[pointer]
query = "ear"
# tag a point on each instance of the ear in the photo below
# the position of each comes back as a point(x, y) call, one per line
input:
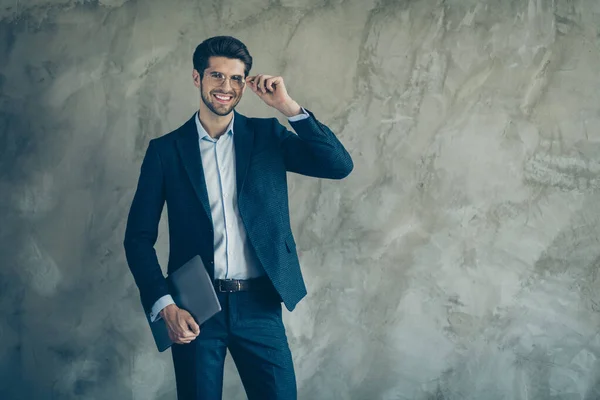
point(196, 78)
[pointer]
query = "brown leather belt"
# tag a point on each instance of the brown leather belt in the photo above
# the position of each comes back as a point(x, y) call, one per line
point(241, 285)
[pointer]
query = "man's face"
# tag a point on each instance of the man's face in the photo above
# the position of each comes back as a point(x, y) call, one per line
point(219, 96)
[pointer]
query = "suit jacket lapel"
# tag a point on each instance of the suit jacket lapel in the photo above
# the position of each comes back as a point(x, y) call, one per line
point(189, 150)
point(243, 139)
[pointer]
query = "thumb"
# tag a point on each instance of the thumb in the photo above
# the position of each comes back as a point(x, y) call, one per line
point(193, 325)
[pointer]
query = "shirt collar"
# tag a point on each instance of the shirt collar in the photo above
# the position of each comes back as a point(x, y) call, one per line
point(202, 134)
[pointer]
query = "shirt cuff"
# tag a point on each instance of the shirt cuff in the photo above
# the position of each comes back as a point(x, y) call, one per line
point(159, 305)
point(299, 117)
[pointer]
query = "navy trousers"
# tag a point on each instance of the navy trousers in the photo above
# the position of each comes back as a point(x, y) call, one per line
point(250, 326)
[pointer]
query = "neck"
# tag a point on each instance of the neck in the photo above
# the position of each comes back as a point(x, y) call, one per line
point(215, 125)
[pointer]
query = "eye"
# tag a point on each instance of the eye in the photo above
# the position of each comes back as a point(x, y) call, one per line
point(216, 75)
point(237, 78)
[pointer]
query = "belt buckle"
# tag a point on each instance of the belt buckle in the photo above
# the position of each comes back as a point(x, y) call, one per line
point(238, 284)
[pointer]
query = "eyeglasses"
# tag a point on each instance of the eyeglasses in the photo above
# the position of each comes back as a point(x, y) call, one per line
point(217, 78)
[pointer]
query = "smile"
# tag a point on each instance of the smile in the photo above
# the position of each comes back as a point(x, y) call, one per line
point(223, 99)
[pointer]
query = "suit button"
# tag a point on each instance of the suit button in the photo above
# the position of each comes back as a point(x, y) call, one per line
point(212, 263)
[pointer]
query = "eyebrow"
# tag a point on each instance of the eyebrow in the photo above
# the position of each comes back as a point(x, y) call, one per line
point(219, 72)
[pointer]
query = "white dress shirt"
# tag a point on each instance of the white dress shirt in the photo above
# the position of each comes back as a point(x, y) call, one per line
point(234, 257)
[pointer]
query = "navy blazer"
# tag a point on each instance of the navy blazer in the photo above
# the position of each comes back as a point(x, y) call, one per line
point(264, 150)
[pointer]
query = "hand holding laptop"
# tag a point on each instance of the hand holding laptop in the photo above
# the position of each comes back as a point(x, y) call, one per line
point(180, 323)
point(195, 302)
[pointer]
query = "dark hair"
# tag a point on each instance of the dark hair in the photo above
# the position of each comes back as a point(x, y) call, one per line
point(221, 46)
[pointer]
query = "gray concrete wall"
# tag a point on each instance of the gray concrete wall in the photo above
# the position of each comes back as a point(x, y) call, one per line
point(458, 261)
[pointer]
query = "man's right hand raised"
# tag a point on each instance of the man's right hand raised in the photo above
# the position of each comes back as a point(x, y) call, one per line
point(180, 323)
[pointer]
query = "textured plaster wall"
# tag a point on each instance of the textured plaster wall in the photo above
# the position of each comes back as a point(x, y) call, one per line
point(458, 261)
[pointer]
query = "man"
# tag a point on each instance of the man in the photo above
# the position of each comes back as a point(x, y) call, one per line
point(223, 177)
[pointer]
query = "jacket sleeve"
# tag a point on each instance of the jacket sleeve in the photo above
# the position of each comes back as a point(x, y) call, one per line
point(314, 150)
point(142, 230)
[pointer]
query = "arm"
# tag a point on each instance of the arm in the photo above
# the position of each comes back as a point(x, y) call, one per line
point(140, 237)
point(142, 230)
point(315, 150)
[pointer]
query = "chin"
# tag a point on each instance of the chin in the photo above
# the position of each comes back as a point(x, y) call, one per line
point(222, 113)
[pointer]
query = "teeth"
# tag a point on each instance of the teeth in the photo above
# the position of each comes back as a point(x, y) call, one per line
point(222, 97)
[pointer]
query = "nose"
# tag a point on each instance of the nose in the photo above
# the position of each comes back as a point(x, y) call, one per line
point(226, 85)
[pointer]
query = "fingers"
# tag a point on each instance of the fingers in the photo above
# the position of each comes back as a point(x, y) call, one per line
point(180, 340)
point(187, 328)
point(270, 83)
point(193, 326)
point(260, 82)
point(186, 334)
point(183, 328)
point(251, 81)
point(263, 83)
point(183, 337)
